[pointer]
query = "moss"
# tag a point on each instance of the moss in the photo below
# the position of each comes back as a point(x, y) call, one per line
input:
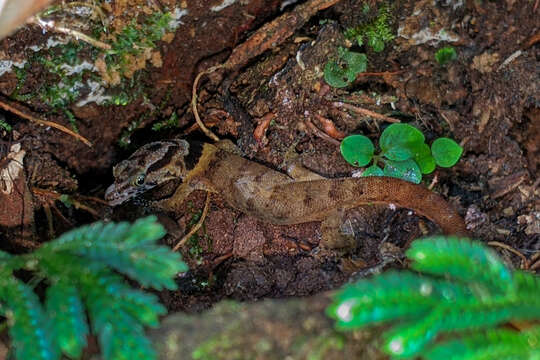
point(72, 70)
point(374, 34)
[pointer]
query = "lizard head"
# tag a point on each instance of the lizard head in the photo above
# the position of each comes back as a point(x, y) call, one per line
point(150, 166)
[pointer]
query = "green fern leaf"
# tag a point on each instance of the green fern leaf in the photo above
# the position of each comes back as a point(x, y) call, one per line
point(409, 339)
point(142, 306)
point(121, 338)
point(491, 344)
point(4, 256)
point(129, 249)
point(392, 295)
point(460, 259)
point(526, 285)
point(121, 335)
point(29, 328)
point(65, 309)
point(489, 313)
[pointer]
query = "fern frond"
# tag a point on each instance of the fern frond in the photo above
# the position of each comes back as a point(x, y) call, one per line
point(409, 339)
point(82, 269)
point(489, 313)
point(460, 259)
point(131, 250)
point(120, 331)
point(491, 344)
point(527, 285)
point(65, 309)
point(8, 263)
point(392, 295)
point(29, 328)
point(144, 307)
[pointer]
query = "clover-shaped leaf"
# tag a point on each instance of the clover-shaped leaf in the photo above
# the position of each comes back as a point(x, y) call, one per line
point(357, 150)
point(399, 142)
point(424, 159)
point(446, 152)
point(352, 63)
point(406, 170)
point(334, 75)
point(373, 170)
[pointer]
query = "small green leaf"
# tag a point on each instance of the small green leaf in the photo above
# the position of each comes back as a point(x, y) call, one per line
point(357, 150)
point(424, 159)
point(446, 152)
point(445, 55)
point(407, 170)
point(399, 141)
point(373, 170)
point(334, 75)
point(341, 76)
point(356, 63)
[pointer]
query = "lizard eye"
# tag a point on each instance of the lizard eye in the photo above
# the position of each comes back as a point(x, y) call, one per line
point(139, 180)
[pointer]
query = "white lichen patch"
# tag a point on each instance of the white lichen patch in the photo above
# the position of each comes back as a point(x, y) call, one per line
point(176, 15)
point(223, 5)
point(85, 65)
point(427, 35)
point(53, 41)
point(287, 3)
point(13, 169)
point(7, 65)
point(96, 94)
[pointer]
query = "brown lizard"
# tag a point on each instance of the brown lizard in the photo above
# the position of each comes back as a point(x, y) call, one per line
point(269, 195)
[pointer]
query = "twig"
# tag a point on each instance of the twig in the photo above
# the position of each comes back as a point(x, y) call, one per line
point(4, 105)
point(366, 112)
point(197, 226)
point(434, 182)
point(535, 260)
point(275, 32)
point(264, 122)
point(383, 73)
point(57, 197)
point(52, 26)
point(320, 133)
point(206, 131)
point(330, 128)
point(525, 262)
point(221, 259)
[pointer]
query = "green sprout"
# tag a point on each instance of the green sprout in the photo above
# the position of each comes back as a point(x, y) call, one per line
point(343, 72)
point(84, 274)
point(5, 126)
point(170, 123)
point(445, 55)
point(404, 153)
point(453, 305)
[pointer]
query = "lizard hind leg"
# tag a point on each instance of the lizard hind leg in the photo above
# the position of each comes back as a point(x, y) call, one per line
point(336, 234)
point(299, 173)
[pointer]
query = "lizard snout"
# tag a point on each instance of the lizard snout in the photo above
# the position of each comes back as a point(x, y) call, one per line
point(115, 197)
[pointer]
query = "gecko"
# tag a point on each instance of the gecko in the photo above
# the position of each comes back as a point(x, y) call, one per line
point(295, 197)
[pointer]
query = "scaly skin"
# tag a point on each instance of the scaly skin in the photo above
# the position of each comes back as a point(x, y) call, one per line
point(276, 198)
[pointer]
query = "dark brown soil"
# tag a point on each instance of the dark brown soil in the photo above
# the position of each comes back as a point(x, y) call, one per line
point(488, 100)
